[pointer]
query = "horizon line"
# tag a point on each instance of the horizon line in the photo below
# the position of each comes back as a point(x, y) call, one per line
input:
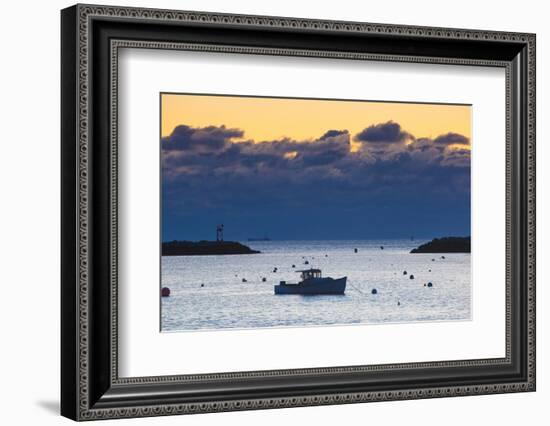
point(321, 239)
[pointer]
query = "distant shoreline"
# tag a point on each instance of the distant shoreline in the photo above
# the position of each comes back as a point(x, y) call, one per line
point(245, 240)
point(445, 245)
point(205, 248)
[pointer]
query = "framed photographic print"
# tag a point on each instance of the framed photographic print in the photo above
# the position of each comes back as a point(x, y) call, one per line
point(263, 212)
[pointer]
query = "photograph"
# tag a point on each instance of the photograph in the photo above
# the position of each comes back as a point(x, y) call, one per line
point(304, 212)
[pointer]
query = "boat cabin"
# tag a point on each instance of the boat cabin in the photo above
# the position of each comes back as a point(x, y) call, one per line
point(307, 274)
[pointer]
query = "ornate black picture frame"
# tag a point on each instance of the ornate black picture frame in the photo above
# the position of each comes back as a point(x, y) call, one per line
point(91, 387)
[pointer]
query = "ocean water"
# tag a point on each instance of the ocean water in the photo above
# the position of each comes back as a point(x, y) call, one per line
point(226, 302)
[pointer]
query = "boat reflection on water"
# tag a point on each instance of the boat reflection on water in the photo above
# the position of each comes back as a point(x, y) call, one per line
point(312, 284)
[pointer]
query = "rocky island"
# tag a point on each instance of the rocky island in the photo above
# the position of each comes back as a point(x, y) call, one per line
point(445, 245)
point(204, 248)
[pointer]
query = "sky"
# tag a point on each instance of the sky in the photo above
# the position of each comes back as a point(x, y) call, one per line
point(309, 169)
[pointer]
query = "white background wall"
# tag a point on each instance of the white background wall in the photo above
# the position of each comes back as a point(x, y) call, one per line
point(29, 211)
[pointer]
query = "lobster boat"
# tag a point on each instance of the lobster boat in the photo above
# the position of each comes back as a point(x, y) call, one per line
point(312, 284)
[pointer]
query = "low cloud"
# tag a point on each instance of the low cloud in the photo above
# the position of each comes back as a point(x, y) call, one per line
point(452, 139)
point(384, 133)
point(200, 139)
point(381, 169)
point(207, 151)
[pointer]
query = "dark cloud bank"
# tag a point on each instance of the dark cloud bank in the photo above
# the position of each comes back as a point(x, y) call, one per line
point(393, 185)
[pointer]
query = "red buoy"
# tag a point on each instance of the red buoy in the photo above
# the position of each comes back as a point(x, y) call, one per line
point(165, 292)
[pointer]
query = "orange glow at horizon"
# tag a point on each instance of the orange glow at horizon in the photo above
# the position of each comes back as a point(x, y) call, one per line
point(267, 119)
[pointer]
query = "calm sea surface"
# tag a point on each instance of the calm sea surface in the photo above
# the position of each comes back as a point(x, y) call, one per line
point(226, 302)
